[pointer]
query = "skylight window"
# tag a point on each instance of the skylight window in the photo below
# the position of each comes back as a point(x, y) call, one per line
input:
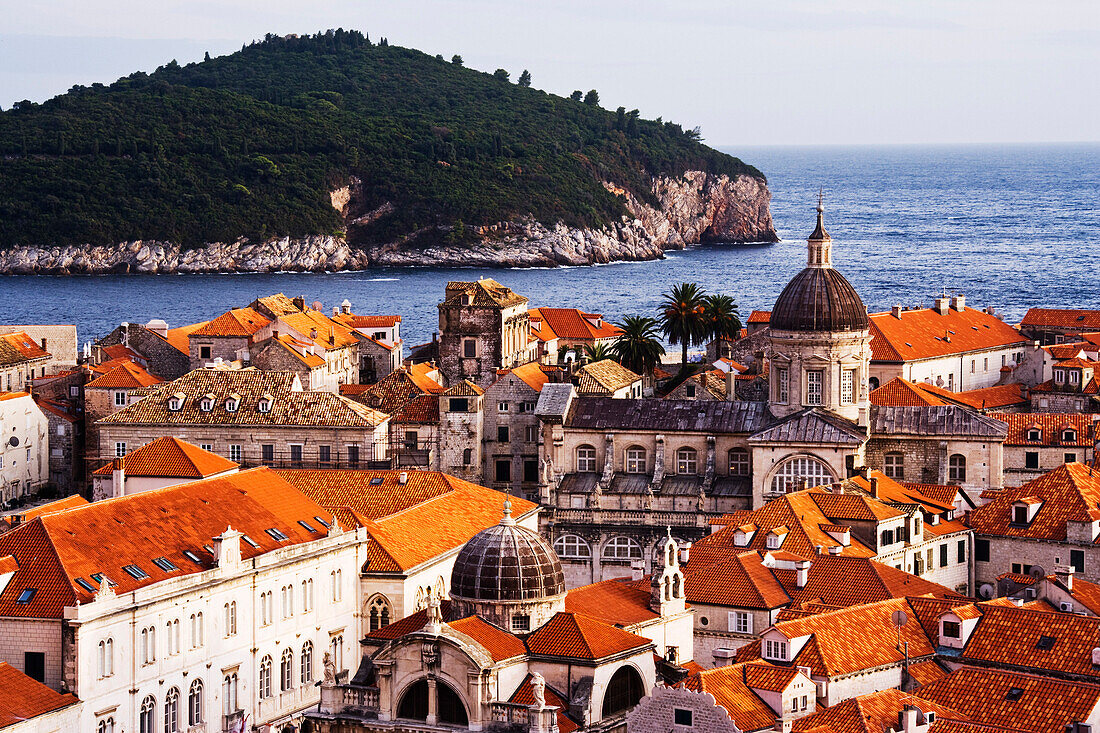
point(308, 527)
point(276, 534)
point(85, 585)
point(26, 595)
point(324, 524)
point(165, 564)
point(98, 577)
point(376, 481)
point(1046, 643)
point(192, 557)
point(250, 541)
point(1014, 694)
point(135, 572)
point(208, 548)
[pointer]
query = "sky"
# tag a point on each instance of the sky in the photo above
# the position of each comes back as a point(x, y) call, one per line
point(767, 72)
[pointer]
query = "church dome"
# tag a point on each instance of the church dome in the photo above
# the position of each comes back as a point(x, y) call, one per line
point(507, 562)
point(819, 298)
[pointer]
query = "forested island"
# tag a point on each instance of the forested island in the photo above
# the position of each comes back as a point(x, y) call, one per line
point(332, 151)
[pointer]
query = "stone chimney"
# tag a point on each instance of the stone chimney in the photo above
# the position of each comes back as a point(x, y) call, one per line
point(227, 548)
point(941, 305)
point(118, 477)
point(1064, 574)
point(874, 486)
point(403, 478)
point(802, 574)
point(958, 302)
point(896, 312)
point(300, 302)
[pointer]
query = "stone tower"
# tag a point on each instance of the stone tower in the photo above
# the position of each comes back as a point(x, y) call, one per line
point(483, 326)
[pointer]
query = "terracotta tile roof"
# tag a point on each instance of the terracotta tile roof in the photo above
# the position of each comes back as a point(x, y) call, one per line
point(876, 712)
point(1038, 705)
point(1084, 592)
point(354, 321)
point(13, 395)
point(891, 491)
point(575, 635)
point(524, 695)
point(573, 324)
point(54, 506)
point(739, 580)
point(760, 317)
point(239, 322)
point(533, 374)
point(126, 375)
point(611, 601)
point(484, 292)
point(299, 350)
point(413, 622)
point(115, 352)
point(1076, 363)
point(769, 677)
point(26, 698)
point(465, 388)
point(900, 392)
point(990, 398)
point(1065, 351)
point(944, 494)
point(178, 337)
point(923, 334)
point(64, 410)
point(499, 643)
point(925, 673)
point(1008, 636)
point(421, 374)
point(290, 406)
point(422, 410)
point(727, 685)
point(604, 378)
point(852, 639)
point(1051, 425)
point(55, 549)
point(839, 581)
point(170, 457)
point(1076, 318)
point(18, 348)
point(1068, 493)
point(853, 506)
point(396, 514)
point(276, 305)
point(1093, 387)
point(396, 390)
point(330, 334)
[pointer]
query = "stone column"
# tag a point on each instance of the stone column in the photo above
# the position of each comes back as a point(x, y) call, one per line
point(433, 701)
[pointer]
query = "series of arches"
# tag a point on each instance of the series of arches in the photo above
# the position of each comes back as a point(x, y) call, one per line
point(196, 700)
point(571, 546)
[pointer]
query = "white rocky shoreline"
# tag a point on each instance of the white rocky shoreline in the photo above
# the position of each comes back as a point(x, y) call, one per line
point(696, 207)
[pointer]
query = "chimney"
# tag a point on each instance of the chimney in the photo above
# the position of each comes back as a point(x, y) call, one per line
point(335, 311)
point(637, 570)
point(403, 478)
point(819, 549)
point(836, 488)
point(43, 343)
point(227, 548)
point(731, 385)
point(958, 302)
point(907, 719)
point(782, 725)
point(941, 305)
point(896, 312)
point(300, 302)
point(835, 549)
point(685, 553)
point(345, 307)
point(313, 334)
point(1064, 574)
point(802, 574)
point(118, 477)
point(874, 486)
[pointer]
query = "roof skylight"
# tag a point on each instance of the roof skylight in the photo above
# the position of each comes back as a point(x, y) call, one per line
point(276, 534)
point(85, 585)
point(165, 564)
point(250, 541)
point(308, 527)
point(192, 557)
point(26, 595)
point(135, 572)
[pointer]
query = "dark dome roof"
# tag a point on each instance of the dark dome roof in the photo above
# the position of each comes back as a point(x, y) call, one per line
point(819, 299)
point(507, 563)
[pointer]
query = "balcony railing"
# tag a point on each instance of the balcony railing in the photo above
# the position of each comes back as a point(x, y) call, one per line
point(509, 713)
point(630, 516)
point(232, 721)
point(360, 697)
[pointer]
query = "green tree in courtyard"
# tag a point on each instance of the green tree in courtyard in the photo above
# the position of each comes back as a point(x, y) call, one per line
point(683, 317)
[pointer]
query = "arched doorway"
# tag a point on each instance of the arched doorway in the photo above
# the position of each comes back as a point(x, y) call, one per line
point(414, 705)
point(449, 707)
point(623, 692)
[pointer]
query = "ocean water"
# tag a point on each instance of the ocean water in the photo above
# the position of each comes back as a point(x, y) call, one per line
point(1013, 227)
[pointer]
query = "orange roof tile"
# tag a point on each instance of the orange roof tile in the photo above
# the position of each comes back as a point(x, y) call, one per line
point(925, 334)
point(573, 324)
point(840, 581)
point(239, 322)
point(178, 337)
point(990, 398)
point(769, 677)
point(1008, 636)
point(499, 643)
point(533, 374)
point(13, 395)
point(876, 712)
point(760, 317)
point(18, 347)
point(1051, 426)
point(171, 457)
point(1037, 705)
point(604, 377)
point(727, 685)
point(1077, 318)
point(413, 622)
point(64, 410)
point(925, 673)
point(355, 321)
point(329, 333)
point(740, 580)
point(524, 695)
point(575, 635)
point(25, 698)
point(300, 350)
point(900, 392)
point(56, 549)
point(611, 601)
point(1068, 493)
point(126, 375)
point(54, 506)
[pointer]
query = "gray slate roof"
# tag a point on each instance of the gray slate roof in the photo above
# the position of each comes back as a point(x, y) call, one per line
point(554, 399)
point(711, 416)
point(812, 426)
point(935, 421)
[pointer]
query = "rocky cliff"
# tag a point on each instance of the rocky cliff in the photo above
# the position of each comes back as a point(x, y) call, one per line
point(694, 208)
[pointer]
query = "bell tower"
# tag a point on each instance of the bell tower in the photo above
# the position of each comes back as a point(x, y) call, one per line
point(819, 245)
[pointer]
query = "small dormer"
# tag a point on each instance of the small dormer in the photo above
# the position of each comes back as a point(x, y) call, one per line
point(839, 532)
point(776, 537)
point(232, 402)
point(267, 400)
point(743, 535)
point(175, 402)
point(956, 626)
point(1024, 510)
point(1059, 376)
point(1068, 435)
point(775, 646)
point(1034, 434)
point(206, 404)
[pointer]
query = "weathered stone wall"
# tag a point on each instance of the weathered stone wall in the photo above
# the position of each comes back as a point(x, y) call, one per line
point(165, 360)
point(521, 424)
point(221, 347)
point(457, 324)
point(273, 357)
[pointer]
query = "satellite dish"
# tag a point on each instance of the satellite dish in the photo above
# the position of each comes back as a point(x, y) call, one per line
point(317, 305)
point(899, 618)
point(1037, 572)
point(13, 441)
point(986, 591)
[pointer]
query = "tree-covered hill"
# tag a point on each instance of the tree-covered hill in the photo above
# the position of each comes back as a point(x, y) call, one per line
point(250, 144)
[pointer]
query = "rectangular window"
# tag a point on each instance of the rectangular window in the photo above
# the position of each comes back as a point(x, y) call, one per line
point(460, 404)
point(412, 439)
point(894, 466)
point(204, 352)
point(353, 456)
point(973, 365)
point(235, 453)
point(943, 555)
point(120, 399)
point(1019, 515)
point(815, 383)
point(469, 348)
point(985, 364)
point(783, 386)
point(740, 622)
point(34, 665)
point(682, 717)
point(929, 557)
point(504, 469)
point(960, 555)
point(981, 549)
point(775, 650)
point(207, 446)
point(1069, 457)
point(847, 386)
point(530, 470)
point(120, 450)
point(951, 629)
point(502, 407)
point(502, 433)
point(1031, 459)
point(324, 454)
point(267, 454)
point(887, 537)
point(1077, 560)
point(295, 456)
point(531, 434)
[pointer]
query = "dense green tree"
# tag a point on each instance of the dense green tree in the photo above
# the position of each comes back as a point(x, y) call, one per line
point(638, 347)
point(592, 98)
point(722, 318)
point(501, 74)
point(525, 79)
point(683, 317)
point(576, 95)
point(456, 60)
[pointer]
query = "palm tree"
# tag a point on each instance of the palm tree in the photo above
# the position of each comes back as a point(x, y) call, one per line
point(683, 317)
point(722, 318)
point(638, 347)
point(599, 352)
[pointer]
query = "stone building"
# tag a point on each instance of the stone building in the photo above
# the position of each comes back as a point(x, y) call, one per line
point(24, 451)
point(66, 444)
point(227, 338)
point(166, 351)
point(382, 350)
point(22, 359)
point(607, 378)
point(1073, 387)
point(252, 418)
point(59, 341)
point(410, 396)
point(1041, 442)
point(483, 327)
point(106, 394)
point(155, 465)
point(1059, 325)
point(561, 330)
point(461, 430)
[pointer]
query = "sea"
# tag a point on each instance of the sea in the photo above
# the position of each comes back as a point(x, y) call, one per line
point(1008, 226)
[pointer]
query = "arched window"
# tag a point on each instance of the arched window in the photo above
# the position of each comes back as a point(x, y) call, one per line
point(1069, 435)
point(687, 461)
point(265, 678)
point(635, 459)
point(379, 613)
point(338, 652)
point(286, 670)
point(147, 716)
point(229, 694)
point(586, 459)
point(449, 705)
point(739, 462)
point(414, 704)
point(623, 692)
point(794, 471)
point(956, 468)
point(873, 382)
point(622, 548)
point(572, 547)
point(307, 663)
point(893, 465)
point(194, 703)
point(467, 456)
point(172, 711)
point(107, 725)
